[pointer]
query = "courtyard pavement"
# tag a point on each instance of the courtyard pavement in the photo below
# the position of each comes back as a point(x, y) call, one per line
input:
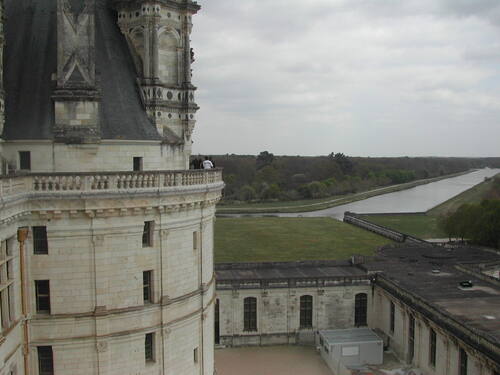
point(270, 360)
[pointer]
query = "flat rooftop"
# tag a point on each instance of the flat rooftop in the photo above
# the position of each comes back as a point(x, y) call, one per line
point(352, 335)
point(286, 270)
point(433, 276)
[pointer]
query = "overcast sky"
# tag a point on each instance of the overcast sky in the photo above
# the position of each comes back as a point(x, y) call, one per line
point(362, 77)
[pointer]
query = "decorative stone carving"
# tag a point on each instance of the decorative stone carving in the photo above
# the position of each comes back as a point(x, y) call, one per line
point(102, 346)
point(76, 98)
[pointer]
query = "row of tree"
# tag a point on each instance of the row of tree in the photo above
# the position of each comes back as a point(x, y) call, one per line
point(268, 177)
point(479, 223)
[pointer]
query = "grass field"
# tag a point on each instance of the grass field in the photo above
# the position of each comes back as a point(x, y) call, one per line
point(425, 226)
point(421, 226)
point(319, 204)
point(287, 239)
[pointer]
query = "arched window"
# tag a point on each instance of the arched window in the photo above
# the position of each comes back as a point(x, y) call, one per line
point(250, 314)
point(360, 309)
point(306, 311)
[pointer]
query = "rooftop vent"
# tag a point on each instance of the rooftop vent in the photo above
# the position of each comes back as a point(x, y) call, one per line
point(466, 284)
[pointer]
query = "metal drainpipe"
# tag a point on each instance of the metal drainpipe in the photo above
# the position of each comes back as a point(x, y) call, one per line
point(22, 234)
point(201, 352)
point(162, 321)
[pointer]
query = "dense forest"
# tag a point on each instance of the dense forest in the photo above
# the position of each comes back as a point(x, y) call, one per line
point(267, 177)
point(479, 223)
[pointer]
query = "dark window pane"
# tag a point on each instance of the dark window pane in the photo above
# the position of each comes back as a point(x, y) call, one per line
point(250, 314)
point(137, 164)
point(147, 288)
point(360, 309)
point(306, 311)
point(432, 348)
point(411, 338)
point(147, 234)
point(40, 245)
point(393, 315)
point(24, 160)
point(42, 292)
point(45, 360)
point(217, 324)
point(462, 358)
point(149, 347)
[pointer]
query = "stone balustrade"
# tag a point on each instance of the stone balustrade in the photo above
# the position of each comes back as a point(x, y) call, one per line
point(12, 186)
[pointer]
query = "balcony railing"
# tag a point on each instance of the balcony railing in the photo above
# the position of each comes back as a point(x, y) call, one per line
point(12, 186)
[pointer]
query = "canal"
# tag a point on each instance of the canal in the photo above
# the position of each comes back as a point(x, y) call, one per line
point(417, 199)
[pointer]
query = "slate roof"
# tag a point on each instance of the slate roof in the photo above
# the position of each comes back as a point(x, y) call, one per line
point(31, 60)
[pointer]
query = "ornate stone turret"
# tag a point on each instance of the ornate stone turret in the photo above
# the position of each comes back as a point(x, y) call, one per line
point(77, 97)
point(158, 36)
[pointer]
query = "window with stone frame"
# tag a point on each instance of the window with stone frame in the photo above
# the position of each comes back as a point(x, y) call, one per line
point(40, 243)
point(147, 233)
point(147, 286)
point(45, 360)
point(42, 295)
point(149, 346)
point(360, 309)
point(411, 338)
point(250, 314)
point(25, 160)
point(195, 355)
point(306, 311)
point(432, 347)
point(137, 163)
point(462, 362)
point(392, 317)
point(7, 311)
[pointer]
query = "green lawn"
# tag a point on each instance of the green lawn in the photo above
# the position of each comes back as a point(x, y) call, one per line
point(421, 226)
point(267, 239)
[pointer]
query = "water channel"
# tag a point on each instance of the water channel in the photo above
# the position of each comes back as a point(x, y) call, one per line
point(417, 199)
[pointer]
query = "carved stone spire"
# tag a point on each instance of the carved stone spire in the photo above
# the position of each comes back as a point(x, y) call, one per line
point(158, 33)
point(76, 97)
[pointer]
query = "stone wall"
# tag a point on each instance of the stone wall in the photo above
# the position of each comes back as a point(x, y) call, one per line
point(95, 264)
point(278, 313)
point(106, 156)
point(447, 345)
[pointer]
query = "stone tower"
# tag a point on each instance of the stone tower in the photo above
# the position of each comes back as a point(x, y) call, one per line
point(157, 34)
point(106, 260)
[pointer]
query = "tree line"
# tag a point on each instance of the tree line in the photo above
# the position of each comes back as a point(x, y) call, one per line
point(478, 223)
point(267, 177)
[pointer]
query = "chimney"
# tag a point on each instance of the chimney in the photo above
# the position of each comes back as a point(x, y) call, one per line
point(76, 98)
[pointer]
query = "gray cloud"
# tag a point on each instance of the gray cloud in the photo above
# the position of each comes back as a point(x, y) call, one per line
point(391, 77)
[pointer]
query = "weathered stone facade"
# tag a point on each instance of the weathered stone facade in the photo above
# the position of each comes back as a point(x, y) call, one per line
point(333, 288)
